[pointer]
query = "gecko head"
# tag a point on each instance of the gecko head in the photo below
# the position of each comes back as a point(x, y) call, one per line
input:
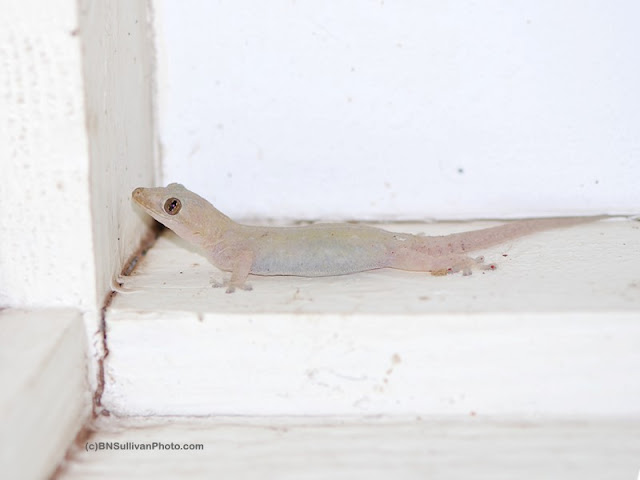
point(181, 210)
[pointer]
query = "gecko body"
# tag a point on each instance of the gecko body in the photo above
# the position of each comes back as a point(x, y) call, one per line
point(322, 249)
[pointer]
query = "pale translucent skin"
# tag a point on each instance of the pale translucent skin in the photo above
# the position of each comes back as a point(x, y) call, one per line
point(322, 249)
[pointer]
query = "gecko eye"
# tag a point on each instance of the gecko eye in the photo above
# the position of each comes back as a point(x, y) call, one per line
point(172, 206)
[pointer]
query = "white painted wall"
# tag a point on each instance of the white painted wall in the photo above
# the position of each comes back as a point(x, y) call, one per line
point(402, 109)
point(77, 129)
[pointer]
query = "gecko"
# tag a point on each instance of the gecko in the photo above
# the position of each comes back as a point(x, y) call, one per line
point(322, 249)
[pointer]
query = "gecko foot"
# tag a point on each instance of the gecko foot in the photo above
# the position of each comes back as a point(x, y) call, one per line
point(480, 261)
point(230, 287)
point(481, 265)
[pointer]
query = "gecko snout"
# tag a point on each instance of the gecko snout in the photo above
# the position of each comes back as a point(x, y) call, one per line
point(136, 193)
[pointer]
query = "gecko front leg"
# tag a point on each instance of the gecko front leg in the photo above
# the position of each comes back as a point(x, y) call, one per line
point(241, 267)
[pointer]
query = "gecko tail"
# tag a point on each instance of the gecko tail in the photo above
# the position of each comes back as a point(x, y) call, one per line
point(488, 237)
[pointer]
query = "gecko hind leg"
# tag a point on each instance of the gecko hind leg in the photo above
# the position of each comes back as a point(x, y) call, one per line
point(467, 264)
point(484, 266)
point(438, 264)
point(459, 263)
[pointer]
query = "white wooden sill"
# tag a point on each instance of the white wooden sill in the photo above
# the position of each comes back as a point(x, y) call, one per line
point(44, 394)
point(371, 449)
point(530, 371)
point(555, 330)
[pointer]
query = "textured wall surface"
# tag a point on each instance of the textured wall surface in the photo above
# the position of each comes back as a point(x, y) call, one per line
point(76, 120)
point(47, 253)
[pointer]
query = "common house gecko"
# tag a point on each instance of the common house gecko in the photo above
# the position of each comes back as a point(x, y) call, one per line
point(322, 249)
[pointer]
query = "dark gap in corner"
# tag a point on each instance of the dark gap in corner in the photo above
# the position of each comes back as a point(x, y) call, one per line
point(146, 243)
point(79, 443)
point(97, 395)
